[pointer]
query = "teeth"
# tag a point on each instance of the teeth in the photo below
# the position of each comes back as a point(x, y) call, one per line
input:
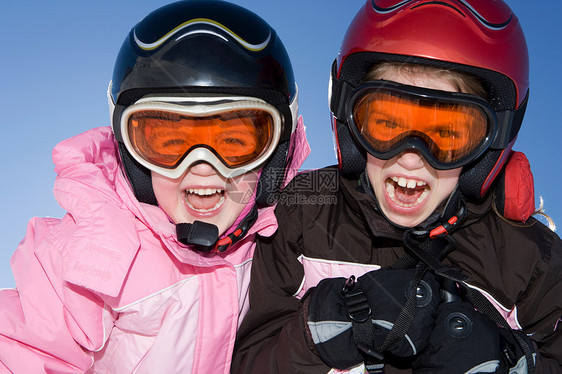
point(204, 191)
point(390, 190)
point(408, 183)
point(217, 205)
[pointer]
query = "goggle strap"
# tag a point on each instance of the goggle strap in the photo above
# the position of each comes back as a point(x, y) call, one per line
point(341, 90)
point(506, 131)
point(509, 123)
point(222, 245)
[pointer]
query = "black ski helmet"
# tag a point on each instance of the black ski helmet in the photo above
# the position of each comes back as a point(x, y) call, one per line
point(481, 38)
point(201, 47)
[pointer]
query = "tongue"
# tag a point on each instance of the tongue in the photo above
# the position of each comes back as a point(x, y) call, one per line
point(205, 202)
point(407, 195)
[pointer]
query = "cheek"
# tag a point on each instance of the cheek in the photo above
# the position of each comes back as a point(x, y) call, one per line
point(241, 191)
point(243, 185)
point(165, 190)
point(448, 180)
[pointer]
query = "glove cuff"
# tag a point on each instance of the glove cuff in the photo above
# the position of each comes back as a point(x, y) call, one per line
point(330, 326)
point(304, 319)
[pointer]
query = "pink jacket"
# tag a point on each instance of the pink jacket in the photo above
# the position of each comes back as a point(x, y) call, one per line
point(108, 289)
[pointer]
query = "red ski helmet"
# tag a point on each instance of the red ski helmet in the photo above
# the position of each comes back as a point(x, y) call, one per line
point(480, 38)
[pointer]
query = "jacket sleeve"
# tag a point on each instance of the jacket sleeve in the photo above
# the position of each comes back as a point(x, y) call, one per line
point(47, 324)
point(541, 311)
point(271, 338)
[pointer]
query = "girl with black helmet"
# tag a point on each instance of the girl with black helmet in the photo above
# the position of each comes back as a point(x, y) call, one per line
point(149, 270)
point(426, 260)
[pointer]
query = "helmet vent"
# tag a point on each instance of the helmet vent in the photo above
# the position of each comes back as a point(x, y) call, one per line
point(439, 3)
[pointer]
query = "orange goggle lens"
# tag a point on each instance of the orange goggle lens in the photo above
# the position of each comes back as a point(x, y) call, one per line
point(237, 137)
point(449, 130)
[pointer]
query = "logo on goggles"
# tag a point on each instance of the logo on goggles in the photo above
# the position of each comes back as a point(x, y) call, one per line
point(234, 136)
point(449, 129)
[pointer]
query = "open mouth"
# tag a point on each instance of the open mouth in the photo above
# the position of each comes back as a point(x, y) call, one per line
point(405, 192)
point(204, 200)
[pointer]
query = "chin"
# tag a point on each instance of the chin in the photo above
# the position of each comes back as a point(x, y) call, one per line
point(404, 219)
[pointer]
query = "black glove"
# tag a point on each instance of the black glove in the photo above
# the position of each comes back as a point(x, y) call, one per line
point(467, 341)
point(379, 298)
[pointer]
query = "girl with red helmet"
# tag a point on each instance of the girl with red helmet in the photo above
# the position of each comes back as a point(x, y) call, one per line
point(149, 269)
point(420, 260)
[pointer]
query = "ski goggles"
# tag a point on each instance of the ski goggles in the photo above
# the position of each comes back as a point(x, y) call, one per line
point(449, 129)
point(168, 135)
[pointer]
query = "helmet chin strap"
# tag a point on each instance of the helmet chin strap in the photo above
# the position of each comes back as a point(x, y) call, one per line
point(432, 242)
point(204, 236)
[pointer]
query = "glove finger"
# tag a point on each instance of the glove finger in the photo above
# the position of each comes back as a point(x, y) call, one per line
point(388, 292)
point(463, 340)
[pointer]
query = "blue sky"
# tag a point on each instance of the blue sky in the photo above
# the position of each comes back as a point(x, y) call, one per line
point(57, 60)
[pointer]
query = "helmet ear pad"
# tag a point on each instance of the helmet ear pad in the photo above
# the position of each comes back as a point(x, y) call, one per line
point(476, 178)
point(139, 177)
point(272, 175)
point(514, 191)
point(351, 158)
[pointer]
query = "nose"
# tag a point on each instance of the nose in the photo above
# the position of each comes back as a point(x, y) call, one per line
point(203, 169)
point(410, 160)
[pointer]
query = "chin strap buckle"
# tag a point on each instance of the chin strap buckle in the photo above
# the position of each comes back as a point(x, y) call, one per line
point(205, 236)
point(447, 227)
point(225, 243)
point(222, 245)
point(444, 229)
